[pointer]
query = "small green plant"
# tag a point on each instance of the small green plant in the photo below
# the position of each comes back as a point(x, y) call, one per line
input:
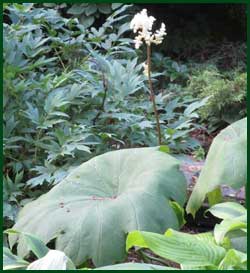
point(233, 224)
point(199, 153)
point(47, 259)
point(227, 93)
point(87, 13)
point(200, 251)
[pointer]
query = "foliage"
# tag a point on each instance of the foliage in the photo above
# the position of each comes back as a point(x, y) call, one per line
point(192, 252)
point(44, 100)
point(225, 164)
point(47, 259)
point(11, 261)
point(87, 13)
point(233, 225)
point(135, 266)
point(227, 91)
point(197, 251)
point(199, 153)
point(112, 188)
point(74, 92)
point(173, 72)
point(71, 93)
point(53, 260)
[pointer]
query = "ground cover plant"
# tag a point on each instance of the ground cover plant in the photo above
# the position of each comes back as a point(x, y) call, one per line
point(99, 118)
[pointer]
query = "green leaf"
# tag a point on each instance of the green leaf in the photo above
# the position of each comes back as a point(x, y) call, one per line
point(11, 261)
point(77, 9)
point(102, 200)
point(195, 105)
point(90, 9)
point(234, 260)
point(185, 249)
point(53, 260)
point(135, 266)
point(227, 225)
point(238, 239)
point(116, 5)
point(104, 8)
point(32, 242)
point(227, 210)
point(214, 196)
point(225, 164)
point(164, 148)
point(180, 213)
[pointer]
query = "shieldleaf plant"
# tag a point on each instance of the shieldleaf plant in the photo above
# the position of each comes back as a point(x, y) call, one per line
point(102, 200)
point(226, 163)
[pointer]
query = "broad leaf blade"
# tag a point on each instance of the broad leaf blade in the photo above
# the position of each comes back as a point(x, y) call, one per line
point(135, 266)
point(181, 248)
point(53, 260)
point(11, 261)
point(102, 200)
point(227, 210)
point(225, 164)
point(33, 243)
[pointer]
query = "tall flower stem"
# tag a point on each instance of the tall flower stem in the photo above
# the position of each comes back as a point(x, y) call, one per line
point(152, 95)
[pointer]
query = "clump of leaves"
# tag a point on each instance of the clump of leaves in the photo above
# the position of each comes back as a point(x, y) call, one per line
point(227, 91)
point(219, 250)
point(197, 251)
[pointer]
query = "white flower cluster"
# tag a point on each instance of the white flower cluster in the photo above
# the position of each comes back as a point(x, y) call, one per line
point(142, 23)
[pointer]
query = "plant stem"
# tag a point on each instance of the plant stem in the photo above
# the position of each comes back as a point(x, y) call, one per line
point(60, 59)
point(152, 95)
point(152, 258)
point(102, 109)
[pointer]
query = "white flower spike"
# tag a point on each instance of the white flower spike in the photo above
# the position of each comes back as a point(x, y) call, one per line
point(142, 24)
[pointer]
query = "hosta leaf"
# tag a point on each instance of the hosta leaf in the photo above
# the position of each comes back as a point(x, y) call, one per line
point(227, 225)
point(102, 200)
point(234, 260)
point(225, 164)
point(11, 261)
point(135, 266)
point(185, 249)
point(238, 239)
point(227, 210)
point(32, 242)
point(53, 260)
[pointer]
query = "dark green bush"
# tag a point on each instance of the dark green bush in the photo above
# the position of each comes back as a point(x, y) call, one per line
point(227, 90)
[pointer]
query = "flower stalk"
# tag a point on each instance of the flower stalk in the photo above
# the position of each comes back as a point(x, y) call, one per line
point(142, 25)
point(152, 95)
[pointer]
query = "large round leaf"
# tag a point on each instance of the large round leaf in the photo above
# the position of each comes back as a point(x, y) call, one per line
point(102, 200)
point(226, 163)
